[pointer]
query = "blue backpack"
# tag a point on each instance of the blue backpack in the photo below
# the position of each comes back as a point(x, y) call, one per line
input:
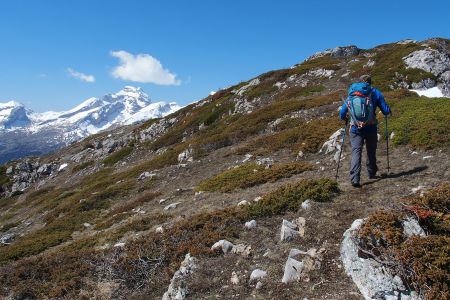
point(360, 105)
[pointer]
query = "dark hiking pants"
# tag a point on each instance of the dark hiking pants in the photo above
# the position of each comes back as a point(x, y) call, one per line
point(357, 140)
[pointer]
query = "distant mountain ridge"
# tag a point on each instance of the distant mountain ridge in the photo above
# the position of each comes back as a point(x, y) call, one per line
point(24, 132)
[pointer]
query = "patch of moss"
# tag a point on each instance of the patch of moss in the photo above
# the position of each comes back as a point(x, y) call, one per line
point(249, 175)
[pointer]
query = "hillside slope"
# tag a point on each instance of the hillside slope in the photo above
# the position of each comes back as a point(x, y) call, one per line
point(214, 186)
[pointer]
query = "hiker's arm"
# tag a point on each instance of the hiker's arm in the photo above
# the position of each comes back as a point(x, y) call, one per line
point(343, 111)
point(384, 107)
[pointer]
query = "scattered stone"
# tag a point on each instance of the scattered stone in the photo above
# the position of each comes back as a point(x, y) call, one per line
point(392, 135)
point(257, 199)
point(244, 88)
point(372, 279)
point(333, 143)
point(177, 288)
point(306, 204)
point(7, 238)
point(427, 157)
point(234, 278)
point(171, 206)
point(242, 250)
point(259, 285)
point(10, 170)
point(161, 201)
point(247, 158)
point(186, 156)
point(429, 60)
point(243, 202)
point(62, 167)
point(292, 270)
point(267, 162)
point(300, 222)
point(119, 245)
point(257, 274)
point(223, 245)
point(300, 154)
point(411, 227)
point(250, 224)
point(288, 231)
point(159, 229)
point(416, 189)
point(145, 175)
point(87, 225)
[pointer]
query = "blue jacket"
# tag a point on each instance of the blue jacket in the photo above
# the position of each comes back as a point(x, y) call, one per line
point(378, 101)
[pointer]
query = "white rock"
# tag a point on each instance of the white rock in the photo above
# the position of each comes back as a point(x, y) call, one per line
point(392, 135)
point(306, 204)
point(250, 224)
point(186, 156)
point(295, 252)
point(247, 157)
point(333, 143)
point(86, 225)
point(371, 278)
point(259, 285)
point(416, 189)
point(241, 249)
point(411, 227)
point(292, 270)
point(171, 206)
point(300, 222)
point(243, 202)
point(161, 201)
point(62, 167)
point(234, 278)
point(145, 175)
point(288, 231)
point(159, 229)
point(223, 245)
point(257, 274)
point(427, 157)
point(177, 289)
point(257, 199)
point(244, 88)
point(119, 245)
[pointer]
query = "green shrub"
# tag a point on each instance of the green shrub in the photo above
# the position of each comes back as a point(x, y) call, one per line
point(250, 174)
point(4, 179)
point(82, 166)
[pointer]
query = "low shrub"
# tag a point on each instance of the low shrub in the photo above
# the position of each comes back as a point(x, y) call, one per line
point(82, 166)
point(250, 174)
point(117, 156)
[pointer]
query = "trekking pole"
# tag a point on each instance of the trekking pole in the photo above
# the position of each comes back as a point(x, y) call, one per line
point(342, 149)
point(387, 141)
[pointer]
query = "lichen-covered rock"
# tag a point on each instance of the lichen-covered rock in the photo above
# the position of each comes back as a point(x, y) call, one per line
point(429, 60)
point(373, 280)
point(293, 270)
point(243, 89)
point(345, 51)
point(178, 289)
point(288, 231)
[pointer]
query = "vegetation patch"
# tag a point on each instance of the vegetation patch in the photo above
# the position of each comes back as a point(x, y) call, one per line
point(147, 264)
point(249, 175)
point(117, 156)
point(419, 121)
point(423, 261)
point(83, 166)
point(4, 179)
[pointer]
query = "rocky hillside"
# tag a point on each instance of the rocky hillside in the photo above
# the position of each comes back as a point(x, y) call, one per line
point(26, 133)
point(234, 197)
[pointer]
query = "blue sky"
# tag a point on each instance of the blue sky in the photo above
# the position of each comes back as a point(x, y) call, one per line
point(55, 54)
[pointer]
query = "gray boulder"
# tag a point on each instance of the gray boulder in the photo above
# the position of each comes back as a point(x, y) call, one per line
point(178, 289)
point(293, 270)
point(7, 238)
point(429, 60)
point(373, 280)
point(288, 231)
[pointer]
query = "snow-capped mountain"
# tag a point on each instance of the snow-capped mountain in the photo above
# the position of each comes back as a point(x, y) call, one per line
point(21, 128)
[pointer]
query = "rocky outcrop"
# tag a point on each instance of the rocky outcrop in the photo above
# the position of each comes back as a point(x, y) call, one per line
point(178, 289)
point(345, 51)
point(374, 280)
point(436, 62)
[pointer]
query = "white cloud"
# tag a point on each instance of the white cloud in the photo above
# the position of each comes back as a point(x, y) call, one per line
point(142, 68)
point(81, 76)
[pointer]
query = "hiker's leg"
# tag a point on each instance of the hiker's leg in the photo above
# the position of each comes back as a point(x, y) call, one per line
point(357, 142)
point(371, 147)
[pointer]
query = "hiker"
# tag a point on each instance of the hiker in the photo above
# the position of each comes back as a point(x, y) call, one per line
point(361, 104)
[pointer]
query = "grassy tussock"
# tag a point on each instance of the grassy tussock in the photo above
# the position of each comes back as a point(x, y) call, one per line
point(249, 175)
point(117, 156)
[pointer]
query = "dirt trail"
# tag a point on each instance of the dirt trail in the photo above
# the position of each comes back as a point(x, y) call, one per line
point(325, 224)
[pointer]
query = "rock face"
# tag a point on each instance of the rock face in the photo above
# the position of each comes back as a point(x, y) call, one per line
point(374, 281)
point(434, 61)
point(345, 51)
point(177, 288)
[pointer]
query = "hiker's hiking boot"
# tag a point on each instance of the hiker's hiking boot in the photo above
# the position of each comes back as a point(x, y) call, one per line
point(356, 184)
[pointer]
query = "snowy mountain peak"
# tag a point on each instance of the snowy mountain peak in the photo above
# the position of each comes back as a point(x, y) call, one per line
point(128, 106)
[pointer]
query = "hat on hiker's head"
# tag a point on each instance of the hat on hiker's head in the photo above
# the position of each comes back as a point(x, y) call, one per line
point(366, 78)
